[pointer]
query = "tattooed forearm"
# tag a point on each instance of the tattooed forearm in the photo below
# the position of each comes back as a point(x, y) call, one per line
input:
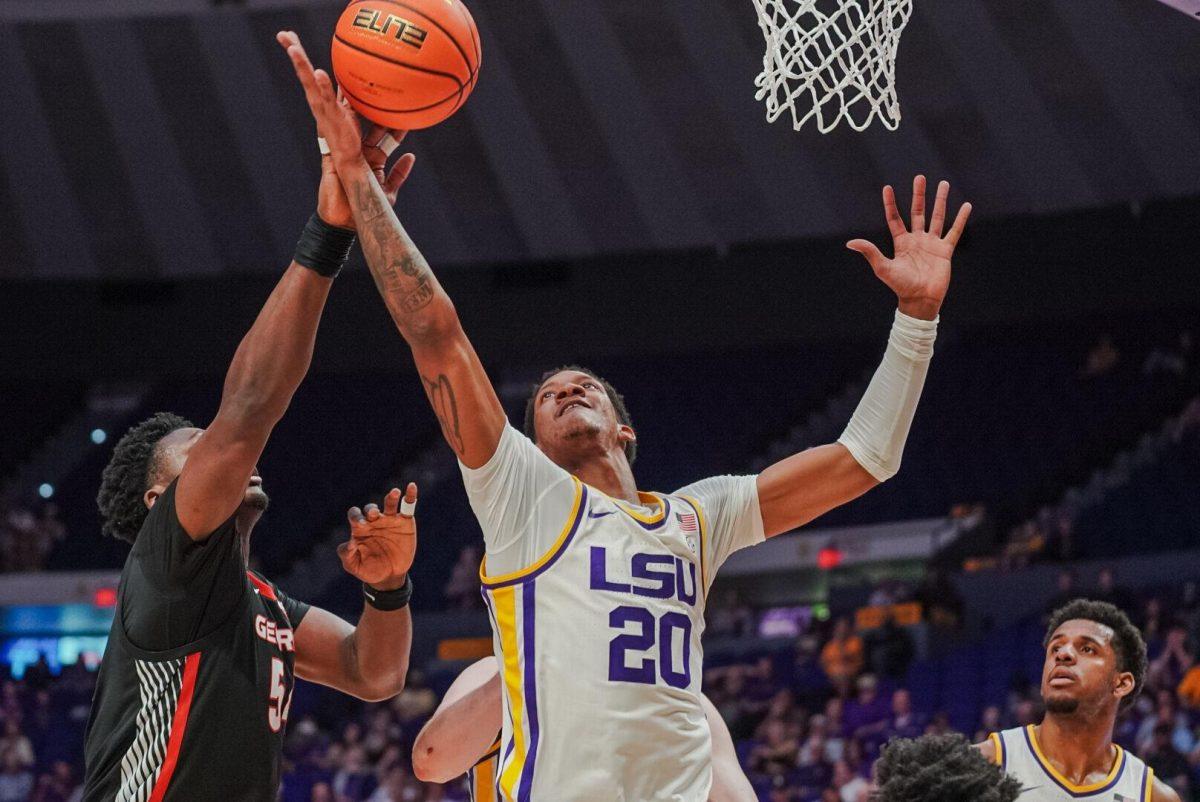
point(445, 406)
point(400, 272)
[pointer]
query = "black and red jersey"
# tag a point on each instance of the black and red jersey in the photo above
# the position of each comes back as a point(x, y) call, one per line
point(194, 689)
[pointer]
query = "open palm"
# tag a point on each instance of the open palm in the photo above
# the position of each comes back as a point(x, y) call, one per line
point(339, 126)
point(919, 272)
point(383, 542)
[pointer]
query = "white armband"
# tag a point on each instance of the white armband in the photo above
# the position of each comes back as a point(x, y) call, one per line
point(876, 432)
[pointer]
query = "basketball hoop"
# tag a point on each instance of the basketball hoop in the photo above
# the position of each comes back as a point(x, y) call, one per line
point(831, 59)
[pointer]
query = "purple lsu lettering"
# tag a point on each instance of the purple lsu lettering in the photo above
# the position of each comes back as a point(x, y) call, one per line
point(274, 634)
point(654, 576)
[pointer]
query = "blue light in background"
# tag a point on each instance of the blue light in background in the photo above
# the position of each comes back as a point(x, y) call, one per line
point(99, 436)
point(45, 490)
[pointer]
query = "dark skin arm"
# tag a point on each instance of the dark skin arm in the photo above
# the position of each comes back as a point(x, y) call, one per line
point(268, 366)
point(369, 661)
point(456, 384)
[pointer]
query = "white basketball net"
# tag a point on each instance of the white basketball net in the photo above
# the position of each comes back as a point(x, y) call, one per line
point(832, 60)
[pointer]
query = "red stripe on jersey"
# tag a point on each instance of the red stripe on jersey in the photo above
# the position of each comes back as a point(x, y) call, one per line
point(264, 590)
point(191, 667)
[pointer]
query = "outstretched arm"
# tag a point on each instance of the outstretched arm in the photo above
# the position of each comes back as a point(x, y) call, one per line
point(462, 396)
point(798, 489)
point(370, 660)
point(463, 727)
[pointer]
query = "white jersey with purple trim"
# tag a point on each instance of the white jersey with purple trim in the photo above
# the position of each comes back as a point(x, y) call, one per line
point(597, 608)
point(1018, 753)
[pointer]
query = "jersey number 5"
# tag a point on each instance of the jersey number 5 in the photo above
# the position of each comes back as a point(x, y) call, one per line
point(280, 700)
point(643, 640)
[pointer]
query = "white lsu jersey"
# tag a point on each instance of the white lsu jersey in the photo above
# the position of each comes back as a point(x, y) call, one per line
point(598, 632)
point(1019, 754)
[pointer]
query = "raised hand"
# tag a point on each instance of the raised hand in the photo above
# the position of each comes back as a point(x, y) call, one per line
point(338, 125)
point(383, 542)
point(919, 273)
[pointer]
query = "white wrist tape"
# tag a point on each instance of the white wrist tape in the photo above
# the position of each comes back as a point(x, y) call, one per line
point(323, 146)
point(876, 433)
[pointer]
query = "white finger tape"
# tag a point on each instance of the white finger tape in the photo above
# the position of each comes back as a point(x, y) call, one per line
point(388, 144)
point(407, 508)
point(323, 146)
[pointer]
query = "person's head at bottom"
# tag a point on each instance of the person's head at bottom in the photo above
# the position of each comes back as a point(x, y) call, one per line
point(940, 768)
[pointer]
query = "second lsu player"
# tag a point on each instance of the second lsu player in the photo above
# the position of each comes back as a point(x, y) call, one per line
point(596, 590)
point(464, 734)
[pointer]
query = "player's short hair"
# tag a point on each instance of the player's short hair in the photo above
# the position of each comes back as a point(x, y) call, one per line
point(1127, 640)
point(618, 402)
point(130, 472)
point(940, 768)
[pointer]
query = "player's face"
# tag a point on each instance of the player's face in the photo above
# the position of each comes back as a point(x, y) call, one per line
point(173, 451)
point(573, 414)
point(1080, 673)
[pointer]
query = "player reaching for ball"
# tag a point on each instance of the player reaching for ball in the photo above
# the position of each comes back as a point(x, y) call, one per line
point(194, 689)
point(463, 737)
point(596, 591)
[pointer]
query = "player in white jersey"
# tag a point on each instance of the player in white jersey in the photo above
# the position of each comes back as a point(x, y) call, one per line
point(1095, 666)
point(456, 739)
point(596, 591)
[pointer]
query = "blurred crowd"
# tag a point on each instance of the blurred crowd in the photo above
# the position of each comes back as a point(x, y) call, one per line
point(807, 721)
point(27, 537)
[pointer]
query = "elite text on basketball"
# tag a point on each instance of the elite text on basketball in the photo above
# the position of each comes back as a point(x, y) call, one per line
point(390, 25)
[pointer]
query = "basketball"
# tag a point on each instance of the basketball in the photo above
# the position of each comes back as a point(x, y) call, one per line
point(407, 64)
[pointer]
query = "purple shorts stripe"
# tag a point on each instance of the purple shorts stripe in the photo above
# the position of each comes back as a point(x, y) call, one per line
point(528, 606)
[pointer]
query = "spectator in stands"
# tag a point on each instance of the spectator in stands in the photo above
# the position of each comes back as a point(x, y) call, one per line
point(1168, 763)
point(1168, 669)
point(842, 658)
point(891, 649)
point(1064, 591)
point(16, 780)
point(462, 591)
point(15, 746)
point(59, 785)
point(868, 709)
point(354, 779)
point(731, 618)
point(1107, 590)
point(906, 722)
point(1166, 714)
point(1025, 712)
point(851, 786)
point(806, 674)
point(323, 792)
point(816, 749)
point(777, 750)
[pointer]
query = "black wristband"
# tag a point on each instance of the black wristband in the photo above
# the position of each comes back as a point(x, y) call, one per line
point(323, 248)
point(388, 600)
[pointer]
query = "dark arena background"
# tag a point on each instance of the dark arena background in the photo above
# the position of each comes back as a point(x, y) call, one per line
point(611, 195)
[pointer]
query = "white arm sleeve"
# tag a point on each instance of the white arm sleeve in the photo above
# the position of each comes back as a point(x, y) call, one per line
point(876, 432)
point(729, 505)
point(521, 499)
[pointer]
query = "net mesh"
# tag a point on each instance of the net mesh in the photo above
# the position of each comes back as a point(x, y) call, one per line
point(831, 60)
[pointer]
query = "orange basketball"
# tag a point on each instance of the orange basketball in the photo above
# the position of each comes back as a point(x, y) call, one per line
point(406, 63)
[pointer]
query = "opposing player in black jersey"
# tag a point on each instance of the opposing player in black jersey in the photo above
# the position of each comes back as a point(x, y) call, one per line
point(196, 682)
